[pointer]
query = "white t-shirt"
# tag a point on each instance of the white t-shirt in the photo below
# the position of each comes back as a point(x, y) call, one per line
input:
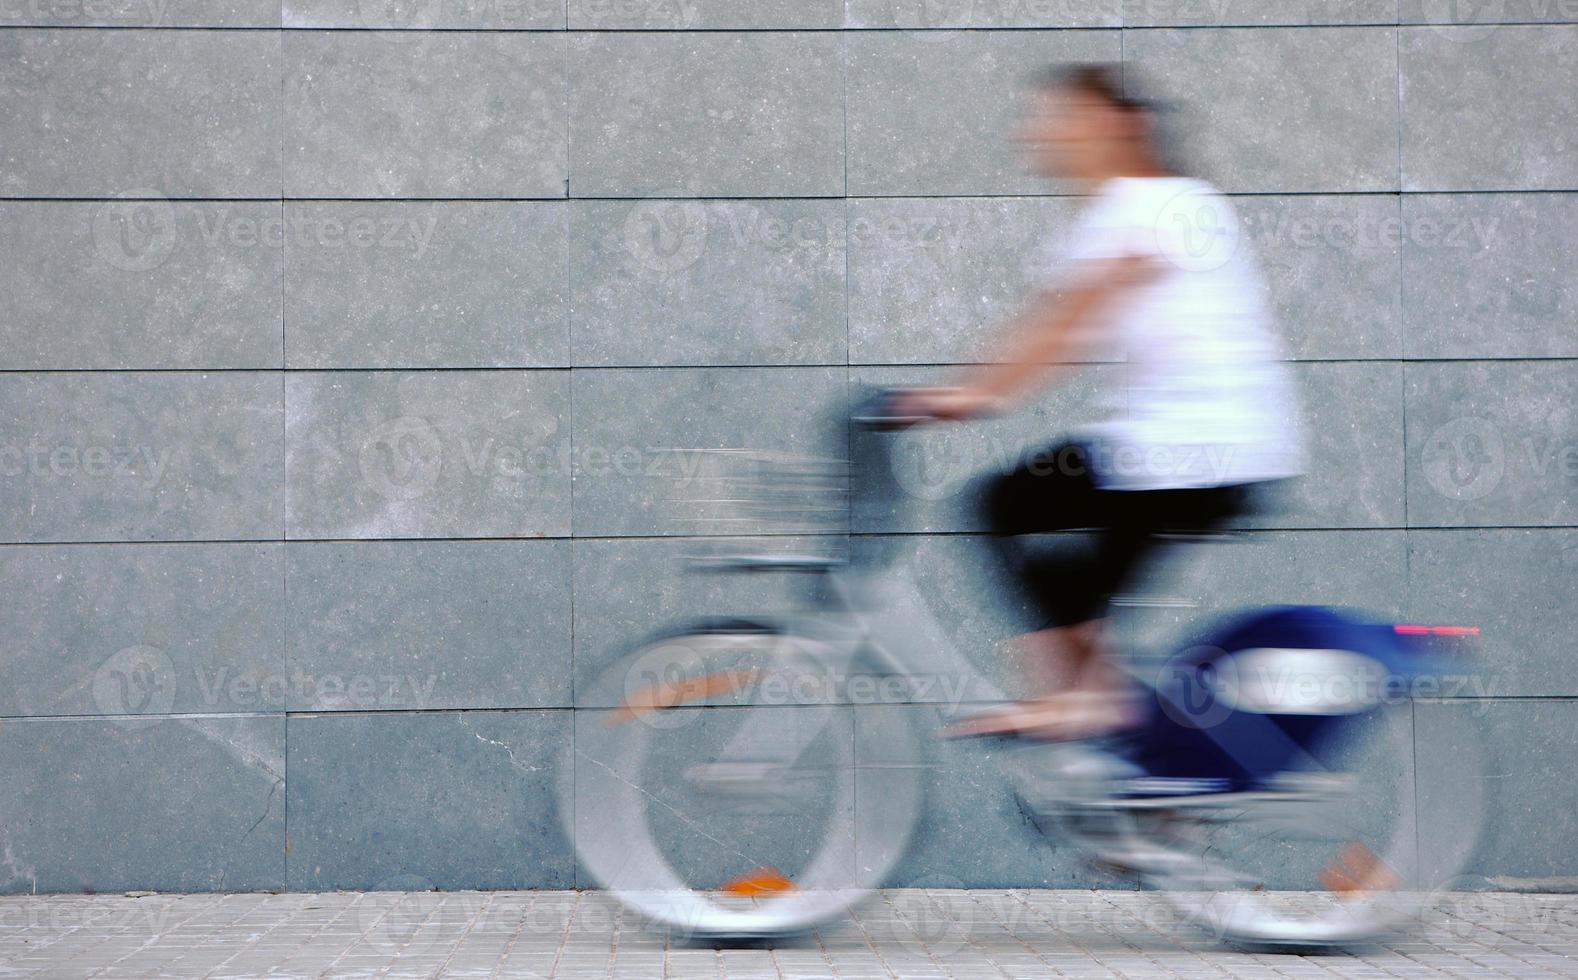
point(1207, 398)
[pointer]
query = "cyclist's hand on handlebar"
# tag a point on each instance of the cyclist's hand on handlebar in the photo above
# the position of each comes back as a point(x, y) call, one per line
point(944, 404)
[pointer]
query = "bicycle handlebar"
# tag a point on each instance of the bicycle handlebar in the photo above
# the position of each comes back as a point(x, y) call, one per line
point(873, 412)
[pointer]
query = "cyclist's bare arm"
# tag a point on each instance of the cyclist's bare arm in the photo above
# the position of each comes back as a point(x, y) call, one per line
point(1054, 329)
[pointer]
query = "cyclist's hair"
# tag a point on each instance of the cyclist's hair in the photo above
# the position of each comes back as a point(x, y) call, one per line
point(1106, 82)
point(1119, 86)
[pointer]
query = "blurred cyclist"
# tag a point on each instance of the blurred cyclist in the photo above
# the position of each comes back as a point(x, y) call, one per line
point(1154, 276)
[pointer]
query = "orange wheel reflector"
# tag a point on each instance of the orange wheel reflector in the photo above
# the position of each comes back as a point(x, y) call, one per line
point(1356, 869)
point(671, 694)
point(762, 881)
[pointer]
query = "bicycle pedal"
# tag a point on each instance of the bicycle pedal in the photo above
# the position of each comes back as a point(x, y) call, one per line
point(1143, 859)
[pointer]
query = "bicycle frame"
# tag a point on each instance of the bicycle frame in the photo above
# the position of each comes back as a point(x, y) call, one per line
point(869, 619)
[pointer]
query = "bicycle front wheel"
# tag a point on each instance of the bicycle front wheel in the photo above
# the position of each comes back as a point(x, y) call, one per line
point(717, 791)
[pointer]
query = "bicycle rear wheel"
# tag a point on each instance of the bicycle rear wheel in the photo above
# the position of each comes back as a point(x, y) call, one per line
point(1329, 856)
point(1278, 800)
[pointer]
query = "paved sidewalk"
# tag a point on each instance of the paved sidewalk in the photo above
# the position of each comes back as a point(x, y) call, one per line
point(962, 934)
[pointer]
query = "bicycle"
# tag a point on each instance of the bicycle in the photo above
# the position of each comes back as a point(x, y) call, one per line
point(1272, 757)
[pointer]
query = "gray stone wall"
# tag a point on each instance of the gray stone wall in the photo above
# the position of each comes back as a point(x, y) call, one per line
point(338, 339)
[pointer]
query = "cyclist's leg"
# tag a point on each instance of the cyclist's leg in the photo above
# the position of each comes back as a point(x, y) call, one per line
point(1092, 694)
point(1097, 696)
point(1139, 518)
point(1052, 491)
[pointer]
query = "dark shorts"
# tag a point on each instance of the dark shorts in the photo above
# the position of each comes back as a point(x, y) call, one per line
point(1056, 491)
